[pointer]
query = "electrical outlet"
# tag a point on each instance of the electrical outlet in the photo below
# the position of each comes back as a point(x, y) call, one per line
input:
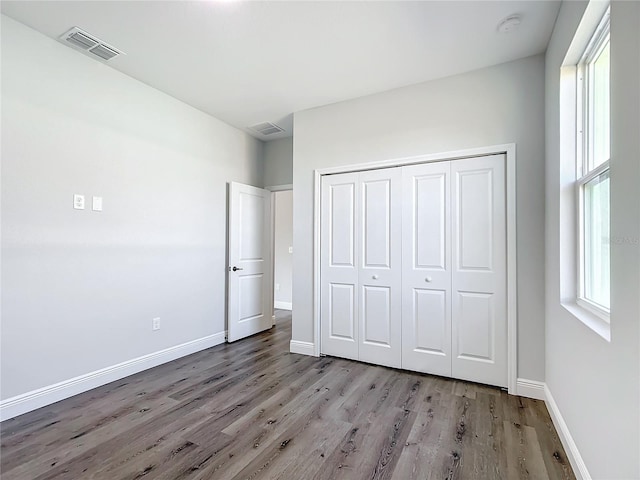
point(155, 324)
point(78, 202)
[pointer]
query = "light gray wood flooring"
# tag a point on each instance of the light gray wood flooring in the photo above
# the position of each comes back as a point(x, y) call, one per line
point(252, 410)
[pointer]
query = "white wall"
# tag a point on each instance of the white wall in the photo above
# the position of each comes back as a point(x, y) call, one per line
point(283, 239)
point(278, 162)
point(497, 105)
point(80, 288)
point(596, 383)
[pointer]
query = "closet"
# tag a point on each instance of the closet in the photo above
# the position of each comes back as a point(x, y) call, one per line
point(413, 268)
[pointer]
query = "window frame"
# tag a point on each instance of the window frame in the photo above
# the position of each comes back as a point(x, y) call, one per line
point(584, 152)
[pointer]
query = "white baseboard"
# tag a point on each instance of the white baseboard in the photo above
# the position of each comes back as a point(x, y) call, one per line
point(283, 305)
point(303, 348)
point(530, 388)
point(26, 402)
point(570, 447)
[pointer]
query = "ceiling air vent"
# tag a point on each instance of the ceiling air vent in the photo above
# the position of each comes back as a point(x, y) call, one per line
point(81, 40)
point(89, 44)
point(104, 52)
point(267, 128)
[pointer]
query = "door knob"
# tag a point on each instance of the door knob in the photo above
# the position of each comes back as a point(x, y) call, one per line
point(235, 269)
point(428, 279)
point(375, 277)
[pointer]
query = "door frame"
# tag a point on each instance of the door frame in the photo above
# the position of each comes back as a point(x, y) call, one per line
point(509, 150)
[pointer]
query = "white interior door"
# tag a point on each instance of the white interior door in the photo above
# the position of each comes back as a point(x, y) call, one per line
point(426, 268)
point(380, 266)
point(479, 284)
point(339, 265)
point(249, 300)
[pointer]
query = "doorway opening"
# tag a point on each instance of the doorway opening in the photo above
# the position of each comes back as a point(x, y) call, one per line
point(282, 205)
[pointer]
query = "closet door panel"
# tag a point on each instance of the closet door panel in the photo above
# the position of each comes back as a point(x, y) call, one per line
point(476, 321)
point(376, 214)
point(431, 331)
point(341, 312)
point(376, 310)
point(380, 266)
point(429, 218)
point(339, 265)
point(426, 271)
point(479, 320)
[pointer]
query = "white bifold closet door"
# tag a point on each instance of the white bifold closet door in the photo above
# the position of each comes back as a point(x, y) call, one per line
point(479, 270)
point(426, 268)
point(413, 268)
point(361, 266)
point(339, 265)
point(380, 267)
point(454, 269)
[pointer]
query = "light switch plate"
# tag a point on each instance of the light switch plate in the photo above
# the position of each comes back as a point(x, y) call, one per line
point(78, 202)
point(97, 204)
point(290, 249)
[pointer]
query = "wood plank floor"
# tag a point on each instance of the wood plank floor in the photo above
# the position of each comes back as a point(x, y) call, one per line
point(251, 410)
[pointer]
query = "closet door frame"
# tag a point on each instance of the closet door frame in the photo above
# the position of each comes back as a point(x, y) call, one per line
point(509, 150)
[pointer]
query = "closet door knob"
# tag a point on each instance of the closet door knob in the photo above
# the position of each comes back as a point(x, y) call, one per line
point(375, 277)
point(428, 279)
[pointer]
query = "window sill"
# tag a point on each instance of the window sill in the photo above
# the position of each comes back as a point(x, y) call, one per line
point(591, 320)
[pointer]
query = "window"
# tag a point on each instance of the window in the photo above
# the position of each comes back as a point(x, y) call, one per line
point(592, 183)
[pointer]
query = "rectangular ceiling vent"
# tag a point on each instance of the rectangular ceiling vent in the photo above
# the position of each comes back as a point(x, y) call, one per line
point(89, 44)
point(267, 128)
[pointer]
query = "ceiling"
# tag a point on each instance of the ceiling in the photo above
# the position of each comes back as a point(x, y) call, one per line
point(251, 62)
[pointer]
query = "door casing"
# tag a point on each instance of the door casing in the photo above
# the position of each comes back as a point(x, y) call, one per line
point(509, 150)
